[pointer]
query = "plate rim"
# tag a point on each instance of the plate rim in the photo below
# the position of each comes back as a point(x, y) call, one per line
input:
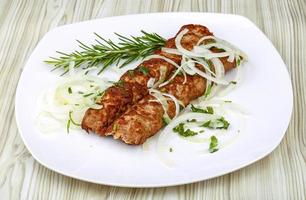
point(152, 185)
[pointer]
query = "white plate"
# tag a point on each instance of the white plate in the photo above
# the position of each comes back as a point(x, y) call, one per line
point(266, 92)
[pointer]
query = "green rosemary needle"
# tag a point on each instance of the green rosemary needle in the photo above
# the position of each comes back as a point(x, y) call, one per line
point(106, 52)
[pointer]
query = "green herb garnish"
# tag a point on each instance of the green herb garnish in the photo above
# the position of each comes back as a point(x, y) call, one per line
point(71, 120)
point(210, 64)
point(166, 121)
point(208, 91)
point(69, 90)
point(213, 146)
point(207, 124)
point(87, 95)
point(144, 70)
point(192, 120)
point(105, 52)
point(238, 62)
point(181, 107)
point(185, 133)
point(101, 93)
point(68, 125)
point(220, 123)
point(224, 122)
point(233, 82)
point(208, 110)
point(170, 150)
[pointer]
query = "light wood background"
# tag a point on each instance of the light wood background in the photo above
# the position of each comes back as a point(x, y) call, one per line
point(281, 175)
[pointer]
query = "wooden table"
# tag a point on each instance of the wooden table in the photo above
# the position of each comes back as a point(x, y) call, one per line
point(281, 175)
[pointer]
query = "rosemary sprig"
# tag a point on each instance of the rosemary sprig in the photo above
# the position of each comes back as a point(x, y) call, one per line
point(106, 52)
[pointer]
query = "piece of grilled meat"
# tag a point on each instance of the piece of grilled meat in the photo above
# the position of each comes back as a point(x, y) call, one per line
point(145, 118)
point(133, 84)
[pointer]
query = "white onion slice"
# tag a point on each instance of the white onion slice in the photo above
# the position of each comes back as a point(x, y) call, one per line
point(162, 76)
point(206, 38)
point(176, 102)
point(74, 94)
point(171, 51)
point(208, 77)
point(180, 48)
point(161, 57)
point(225, 43)
point(187, 65)
point(150, 82)
point(162, 100)
point(174, 75)
point(198, 51)
point(206, 53)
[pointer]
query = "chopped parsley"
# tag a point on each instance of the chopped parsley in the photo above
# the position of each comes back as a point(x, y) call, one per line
point(208, 110)
point(166, 121)
point(181, 131)
point(208, 91)
point(233, 82)
point(191, 120)
point(220, 123)
point(213, 146)
point(71, 120)
point(101, 93)
point(210, 64)
point(170, 150)
point(144, 70)
point(87, 95)
point(68, 125)
point(238, 62)
point(181, 107)
point(224, 122)
point(69, 90)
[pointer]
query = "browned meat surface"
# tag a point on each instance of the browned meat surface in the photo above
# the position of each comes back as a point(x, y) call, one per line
point(118, 98)
point(145, 118)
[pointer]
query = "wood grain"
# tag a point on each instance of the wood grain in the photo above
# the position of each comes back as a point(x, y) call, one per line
point(281, 175)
